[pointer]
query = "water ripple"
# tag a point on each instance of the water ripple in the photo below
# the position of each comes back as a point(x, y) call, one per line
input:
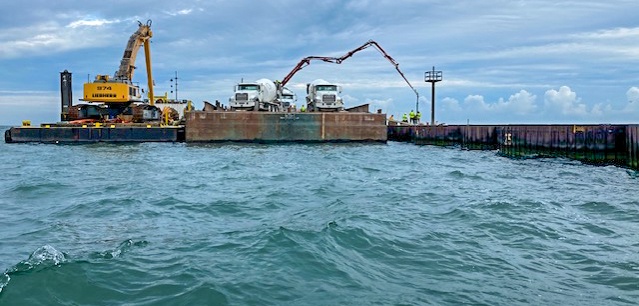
point(317, 224)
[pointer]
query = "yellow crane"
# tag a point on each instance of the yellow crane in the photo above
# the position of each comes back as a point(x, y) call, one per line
point(120, 89)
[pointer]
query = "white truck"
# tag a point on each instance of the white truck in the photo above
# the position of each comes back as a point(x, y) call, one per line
point(260, 95)
point(287, 98)
point(323, 96)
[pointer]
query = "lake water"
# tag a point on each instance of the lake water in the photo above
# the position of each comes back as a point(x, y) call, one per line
point(320, 224)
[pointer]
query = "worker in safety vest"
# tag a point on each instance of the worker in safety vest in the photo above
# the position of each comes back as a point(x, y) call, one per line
point(404, 118)
point(303, 108)
point(412, 116)
point(419, 117)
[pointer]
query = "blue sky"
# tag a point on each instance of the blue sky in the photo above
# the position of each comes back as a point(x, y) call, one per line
point(503, 61)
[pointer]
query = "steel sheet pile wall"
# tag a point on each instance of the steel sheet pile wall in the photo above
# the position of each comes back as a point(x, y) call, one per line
point(598, 144)
point(437, 135)
point(602, 144)
point(400, 132)
point(476, 137)
point(56, 134)
point(632, 142)
point(285, 127)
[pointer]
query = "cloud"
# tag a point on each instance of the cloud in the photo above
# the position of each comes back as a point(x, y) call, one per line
point(632, 106)
point(376, 104)
point(615, 33)
point(476, 102)
point(601, 110)
point(564, 101)
point(348, 100)
point(520, 103)
point(49, 38)
point(450, 105)
point(633, 95)
point(90, 23)
point(180, 12)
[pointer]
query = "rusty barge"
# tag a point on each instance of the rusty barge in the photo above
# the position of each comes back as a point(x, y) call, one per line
point(219, 126)
point(90, 123)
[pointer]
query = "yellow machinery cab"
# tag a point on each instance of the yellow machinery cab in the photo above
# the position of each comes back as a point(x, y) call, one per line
point(103, 89)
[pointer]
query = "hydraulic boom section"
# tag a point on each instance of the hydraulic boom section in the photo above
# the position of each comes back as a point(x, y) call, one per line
point(338, 60)
point(139, 38)
point(121, 89)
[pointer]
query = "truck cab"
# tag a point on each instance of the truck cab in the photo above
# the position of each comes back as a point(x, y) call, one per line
point(323, 96)
point(258, 96)
point(287, 98)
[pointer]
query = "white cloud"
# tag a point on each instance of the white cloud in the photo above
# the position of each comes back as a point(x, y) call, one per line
point(91, 23)
point(181, 12)
point(450, 105)
point(632, 106)
point(376, 104)
point(348, 99)
point(601, 110)
point(476, 102)
point(50, 37)
point(616, 33)
point(520, 103)
point(564, 101)
point(633, 95)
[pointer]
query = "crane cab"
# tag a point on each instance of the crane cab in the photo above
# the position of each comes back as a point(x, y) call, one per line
point(106, 90)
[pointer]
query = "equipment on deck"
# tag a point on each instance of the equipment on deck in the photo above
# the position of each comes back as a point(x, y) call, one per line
point(260, 95)
point(120, 91)
point(338, 60)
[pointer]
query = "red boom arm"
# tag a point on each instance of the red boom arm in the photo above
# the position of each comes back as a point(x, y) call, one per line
point(338, 60)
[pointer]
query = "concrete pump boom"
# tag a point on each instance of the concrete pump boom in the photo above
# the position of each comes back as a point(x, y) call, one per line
point(338, 60)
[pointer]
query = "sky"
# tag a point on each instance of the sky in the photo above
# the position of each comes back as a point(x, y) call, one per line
point(503, 61)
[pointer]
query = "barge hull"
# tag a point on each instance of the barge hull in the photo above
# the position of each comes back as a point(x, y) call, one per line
point(268, 127)
point(56, 134)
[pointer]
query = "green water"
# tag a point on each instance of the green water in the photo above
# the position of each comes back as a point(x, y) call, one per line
point(395, 224)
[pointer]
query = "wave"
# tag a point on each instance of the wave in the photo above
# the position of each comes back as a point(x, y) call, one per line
point(461, 175)
point(124, 247)
point(47, 257)
point(42, 258)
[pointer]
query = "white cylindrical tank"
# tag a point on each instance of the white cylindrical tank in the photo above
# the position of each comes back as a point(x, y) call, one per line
point(320, 82)
point(269, 90)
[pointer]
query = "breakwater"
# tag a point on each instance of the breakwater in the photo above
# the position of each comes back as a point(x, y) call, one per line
point(596, 144)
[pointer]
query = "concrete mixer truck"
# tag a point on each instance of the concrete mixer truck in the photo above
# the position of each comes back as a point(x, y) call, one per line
point(287, 98)
point(323, 96)
point(260, 95)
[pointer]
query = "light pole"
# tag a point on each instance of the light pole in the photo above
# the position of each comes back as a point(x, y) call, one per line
point(432, 77)
point(175, 80)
